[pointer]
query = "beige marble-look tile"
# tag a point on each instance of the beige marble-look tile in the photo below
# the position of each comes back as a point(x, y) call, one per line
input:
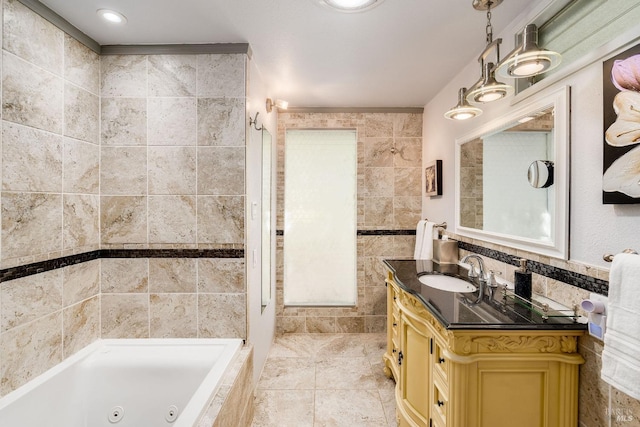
point(339, 345)
point(28, 351)
point(407, 211)
point(321, 324)
point(221, 121)
point(173, 315)
point(31, 37)
point(124, 121)
point(293, 345)
point(30, 96)
point(123, 75)
point(408, 153)
point(378, 182)
point(172, 75)
point(80, 281)
point(124, 275)
point(408, 182)
point(172, 170)
point(81, 114)
point(221, 275)
point(288, 373)
point(625, 410)
point(172, 275)
point(336, 408)
point(407, 125)
point(81, 214)
point(31, 159)
point(378, 152)
point(379, 125)
point(220, 219)
point(593, 393)
point(81, 65)
point(81, 325)
point(172, 121)
point(221, 75)
point(81, 165)
point(291, 325)
point(378, 211)
point(123, 219)
point(29, 298)
point(345, 374)
point(375, 324)
point(221, 170)
point(172, 219)
point(123, 170)
point(28, 218)
point(125, 316)
point(284, 408)
point(350, 325)
point(222, 316)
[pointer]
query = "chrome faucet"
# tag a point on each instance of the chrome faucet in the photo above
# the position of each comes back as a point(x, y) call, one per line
point(472, 271)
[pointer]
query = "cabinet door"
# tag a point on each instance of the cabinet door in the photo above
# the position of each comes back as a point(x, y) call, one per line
point(415, 371)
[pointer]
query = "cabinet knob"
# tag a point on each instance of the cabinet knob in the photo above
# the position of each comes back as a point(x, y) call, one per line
point(441, 360)
point(440, 403)
point(394, 350)
point(395, 324)
point(400, 357)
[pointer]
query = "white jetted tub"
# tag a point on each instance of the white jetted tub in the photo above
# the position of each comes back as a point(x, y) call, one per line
point(124, 383)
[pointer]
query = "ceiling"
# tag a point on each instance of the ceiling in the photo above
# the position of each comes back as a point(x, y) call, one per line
point(395, 55)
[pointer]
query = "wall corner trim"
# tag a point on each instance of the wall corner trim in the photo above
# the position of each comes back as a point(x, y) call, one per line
point(177, 49)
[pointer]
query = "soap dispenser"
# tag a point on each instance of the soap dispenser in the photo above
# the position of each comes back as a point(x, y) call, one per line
point(522, 281)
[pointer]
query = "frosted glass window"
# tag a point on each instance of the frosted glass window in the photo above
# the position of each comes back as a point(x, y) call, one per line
point(320, 213)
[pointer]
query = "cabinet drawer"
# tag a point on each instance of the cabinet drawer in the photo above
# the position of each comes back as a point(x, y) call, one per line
point(439, 403)
point(440, 362)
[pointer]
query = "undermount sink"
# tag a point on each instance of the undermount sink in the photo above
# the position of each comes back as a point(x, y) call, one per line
point(446, 283)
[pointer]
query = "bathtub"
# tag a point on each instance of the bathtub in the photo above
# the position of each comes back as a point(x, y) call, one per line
point(125, 383)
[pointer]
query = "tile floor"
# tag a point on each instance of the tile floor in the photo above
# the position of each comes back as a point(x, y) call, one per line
point(325, 380)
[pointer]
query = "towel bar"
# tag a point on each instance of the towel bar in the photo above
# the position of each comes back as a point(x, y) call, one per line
point(442, 225)
point(609, 257)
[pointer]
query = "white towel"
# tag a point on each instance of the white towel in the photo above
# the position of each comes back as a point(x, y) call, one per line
point(419, 238)
point(425, 251)
point(620, 361)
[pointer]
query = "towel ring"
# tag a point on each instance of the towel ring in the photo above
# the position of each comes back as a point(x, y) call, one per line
point(609, 257)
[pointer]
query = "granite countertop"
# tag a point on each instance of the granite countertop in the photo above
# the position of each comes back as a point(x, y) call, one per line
point(467, 311)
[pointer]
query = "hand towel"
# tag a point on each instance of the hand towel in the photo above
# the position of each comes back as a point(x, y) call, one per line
point(620, 362)
point(430, 231)
point(419, 238)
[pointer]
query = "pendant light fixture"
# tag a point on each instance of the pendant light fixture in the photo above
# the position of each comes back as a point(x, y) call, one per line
point(462, 111)
point(524, 61)
point(528, 60)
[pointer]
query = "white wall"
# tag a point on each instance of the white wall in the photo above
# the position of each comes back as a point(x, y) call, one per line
point(594, 228)
point(261, 324)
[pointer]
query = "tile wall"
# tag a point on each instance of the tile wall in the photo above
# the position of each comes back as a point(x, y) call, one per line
point(389, 203)
point(133, 153)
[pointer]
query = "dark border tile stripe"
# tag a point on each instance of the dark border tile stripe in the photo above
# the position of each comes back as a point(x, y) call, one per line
point(582, 281)
point(20, 271)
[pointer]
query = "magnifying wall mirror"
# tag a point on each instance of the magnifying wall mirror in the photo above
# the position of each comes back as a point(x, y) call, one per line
point(512, 178)
point(266, 218)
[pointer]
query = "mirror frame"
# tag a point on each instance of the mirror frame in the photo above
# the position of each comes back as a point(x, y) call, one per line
point(559, 246)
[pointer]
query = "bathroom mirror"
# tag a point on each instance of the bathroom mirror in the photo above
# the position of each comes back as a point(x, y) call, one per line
point(266, 218)
point(512, 178)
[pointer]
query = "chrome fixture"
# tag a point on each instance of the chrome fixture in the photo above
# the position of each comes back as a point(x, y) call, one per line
point(254, 122)
point(528, 60)
point(524, 61)
point(278, 103)
point(472, 271)
point(609, 257)
point(463, 110)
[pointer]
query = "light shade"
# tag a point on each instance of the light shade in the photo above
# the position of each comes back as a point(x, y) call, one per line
point(351, 5)
point(528, 60)
point(462, 111)
point(488, 89)
point(278, 103)
point(112, 16)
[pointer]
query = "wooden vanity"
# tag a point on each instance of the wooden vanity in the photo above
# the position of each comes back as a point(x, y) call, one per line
point(462, 365)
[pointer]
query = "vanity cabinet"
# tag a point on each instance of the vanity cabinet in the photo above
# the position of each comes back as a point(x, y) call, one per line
point(500, 377)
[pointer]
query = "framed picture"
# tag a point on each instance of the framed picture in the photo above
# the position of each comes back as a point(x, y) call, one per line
point(621, 120)
point(433, 178)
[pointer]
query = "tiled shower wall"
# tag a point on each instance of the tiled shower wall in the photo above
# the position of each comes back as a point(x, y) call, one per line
point(116, 152)
point(389, 203)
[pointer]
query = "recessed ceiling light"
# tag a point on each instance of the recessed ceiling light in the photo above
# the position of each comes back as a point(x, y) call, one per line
point(351, 5)
point(112, 16)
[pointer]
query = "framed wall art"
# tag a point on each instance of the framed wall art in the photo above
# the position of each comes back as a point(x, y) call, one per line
point(621, 142)
point(433, 178)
